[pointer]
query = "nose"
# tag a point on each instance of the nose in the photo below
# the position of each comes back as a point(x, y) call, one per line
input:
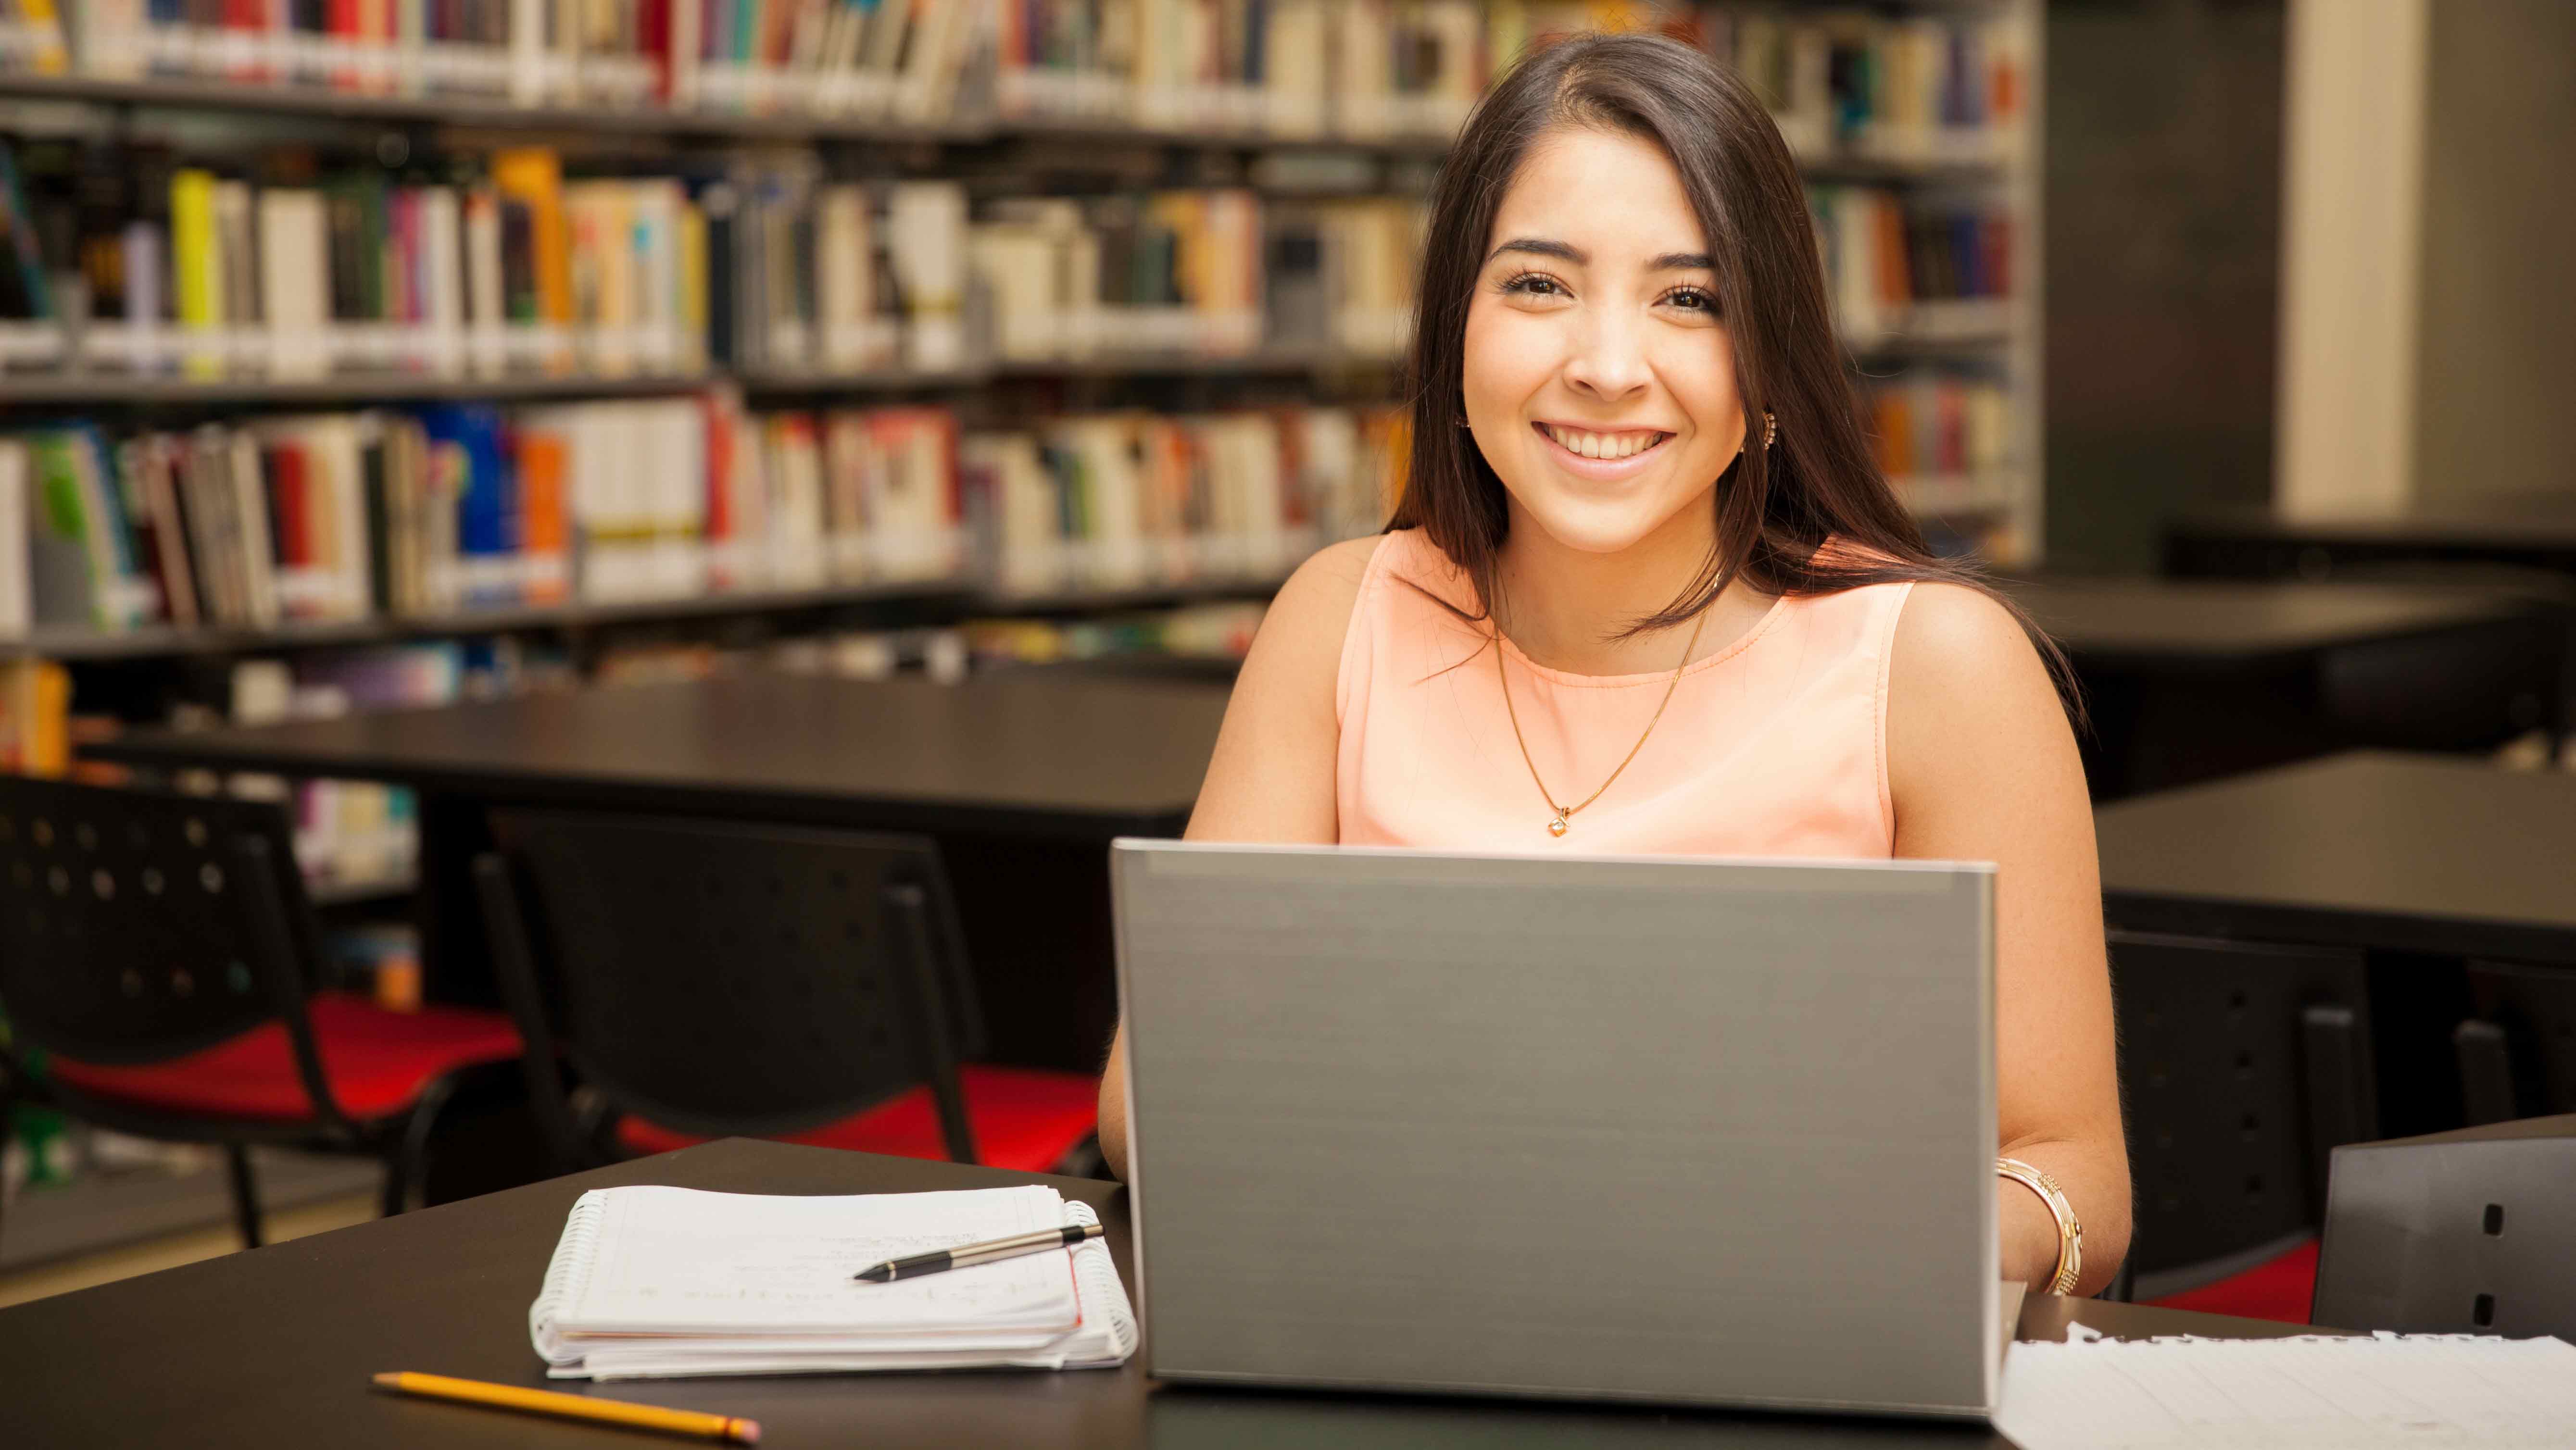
point(1609, 359)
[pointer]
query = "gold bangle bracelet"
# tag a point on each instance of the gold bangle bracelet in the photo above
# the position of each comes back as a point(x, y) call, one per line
point(2070, 1234)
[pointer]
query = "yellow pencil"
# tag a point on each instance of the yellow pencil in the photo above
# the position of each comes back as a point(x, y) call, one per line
point(574, 1407)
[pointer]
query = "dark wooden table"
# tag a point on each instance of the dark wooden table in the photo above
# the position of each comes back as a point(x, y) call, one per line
point(2527, 531)
point(2435, 869)
point(2369, 849)
point(274, 1347)
point(2187, 680)
point(1026, 752)
point(1023, 775)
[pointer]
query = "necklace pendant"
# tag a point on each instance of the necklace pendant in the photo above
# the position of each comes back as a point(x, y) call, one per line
point(1557, 827)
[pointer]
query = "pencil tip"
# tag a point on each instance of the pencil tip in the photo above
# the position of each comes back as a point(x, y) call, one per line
point(877, 1275)
point(389, 1381)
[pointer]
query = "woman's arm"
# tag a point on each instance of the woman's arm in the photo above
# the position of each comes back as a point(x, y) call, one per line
point(1271, 778)
point(1982, 766)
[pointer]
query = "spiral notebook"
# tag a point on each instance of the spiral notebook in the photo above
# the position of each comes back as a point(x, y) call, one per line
point(651, 1282)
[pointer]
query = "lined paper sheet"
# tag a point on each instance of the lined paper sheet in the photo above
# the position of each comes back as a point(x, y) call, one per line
point(653, 1281)
point(2411, 1391)
point(674, 1260)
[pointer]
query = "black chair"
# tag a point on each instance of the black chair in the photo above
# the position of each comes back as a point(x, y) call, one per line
point(2517, 1051)
point(2466, 1232)
point(160, 952)
point(704, 979)
point(2242, 1068)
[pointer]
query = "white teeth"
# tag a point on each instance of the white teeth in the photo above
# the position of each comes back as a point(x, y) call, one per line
point(1604, 445)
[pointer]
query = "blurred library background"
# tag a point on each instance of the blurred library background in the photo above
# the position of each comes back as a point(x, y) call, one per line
point(361, 355)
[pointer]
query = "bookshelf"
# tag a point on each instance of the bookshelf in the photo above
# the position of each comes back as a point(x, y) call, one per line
point(76, 388)
point(1915, 121)
point(929, 602)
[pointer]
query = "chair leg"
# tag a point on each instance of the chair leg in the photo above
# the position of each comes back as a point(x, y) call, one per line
point(407, 1156)
point(398, 1175)
point(245, 1193)
point(8, 1135)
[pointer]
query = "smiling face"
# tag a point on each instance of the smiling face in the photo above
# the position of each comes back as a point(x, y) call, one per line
point(1598, 379)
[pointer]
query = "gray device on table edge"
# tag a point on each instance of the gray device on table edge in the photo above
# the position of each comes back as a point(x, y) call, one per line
point(1673, 1130)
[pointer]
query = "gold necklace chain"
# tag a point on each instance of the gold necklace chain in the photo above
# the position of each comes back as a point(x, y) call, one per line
point(1562, 821)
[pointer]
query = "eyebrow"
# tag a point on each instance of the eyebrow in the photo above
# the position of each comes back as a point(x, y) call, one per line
point(1542, 247)
point(1568, 252)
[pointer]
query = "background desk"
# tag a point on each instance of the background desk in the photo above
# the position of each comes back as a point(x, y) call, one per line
point(2423, 539)
point(2426, 864)
point(2188, 680)
point(273, 1348)
point(1024, 776)
point(2369, 849)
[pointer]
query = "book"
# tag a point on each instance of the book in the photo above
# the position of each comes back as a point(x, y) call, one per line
point(35, 711)
point(658, 1282)
point(32, 292)
point(532, 177)
point(295, 280)
point(198, 268)
point(40, 47)
point(767, 266)
point(17, 585)
point(1939, 89)
point(1129, 500)
point(1938, 421)
point(926, 235)
point(1903, 266)
point(412, 512)
point(1166, 272)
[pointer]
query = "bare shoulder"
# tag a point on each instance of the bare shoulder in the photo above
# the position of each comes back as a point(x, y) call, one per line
point(1953, 639)
point(1332, 575)
point(1964, 673)
point(1272, 777)
point(1312, 611)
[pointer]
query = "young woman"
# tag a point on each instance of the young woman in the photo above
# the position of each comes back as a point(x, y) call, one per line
point(1647, 592)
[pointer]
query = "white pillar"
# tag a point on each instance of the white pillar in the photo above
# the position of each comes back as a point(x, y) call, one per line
point(2351, 244)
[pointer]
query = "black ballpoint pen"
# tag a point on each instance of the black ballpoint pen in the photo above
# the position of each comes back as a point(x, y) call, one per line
point(983, 1253)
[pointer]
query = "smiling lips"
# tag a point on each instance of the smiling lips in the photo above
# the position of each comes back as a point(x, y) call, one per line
point(1608, 447)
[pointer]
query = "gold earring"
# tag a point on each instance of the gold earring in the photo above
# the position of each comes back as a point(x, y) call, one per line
point(1770, 429)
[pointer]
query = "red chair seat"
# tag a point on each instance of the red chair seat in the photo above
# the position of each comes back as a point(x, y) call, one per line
point(2279, 1289)
point(377, 1062)
point(1024, 1119)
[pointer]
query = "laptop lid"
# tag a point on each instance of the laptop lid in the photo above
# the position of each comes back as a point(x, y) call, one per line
point(1664, 1129)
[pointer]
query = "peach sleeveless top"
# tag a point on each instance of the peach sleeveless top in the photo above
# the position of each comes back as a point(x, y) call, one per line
point(1773, 746)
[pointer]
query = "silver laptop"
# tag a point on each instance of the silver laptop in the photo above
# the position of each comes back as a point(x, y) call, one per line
point(1678, 1130)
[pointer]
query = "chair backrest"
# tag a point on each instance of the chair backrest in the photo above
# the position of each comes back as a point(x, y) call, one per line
point(138, 926)
point(721, 978)
point(2517, 1054)
point(2466, 1232)
point(2241, 1067)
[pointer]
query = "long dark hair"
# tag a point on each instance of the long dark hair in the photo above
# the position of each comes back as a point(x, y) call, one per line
point(1775, 507)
